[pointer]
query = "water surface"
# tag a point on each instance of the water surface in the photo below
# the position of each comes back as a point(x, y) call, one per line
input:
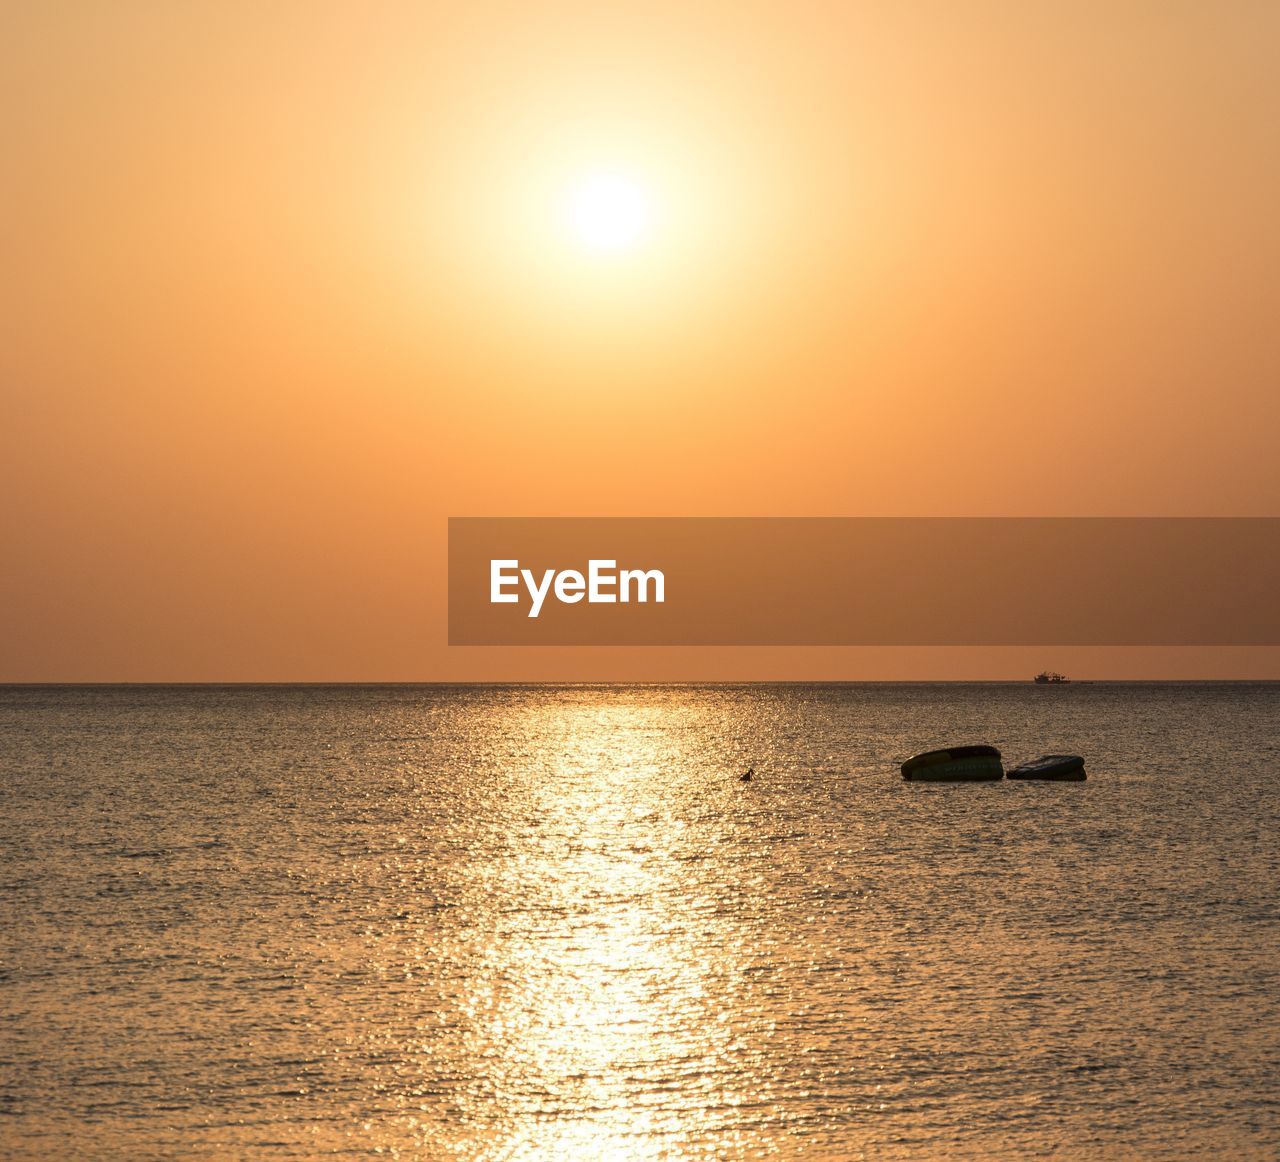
point(550, 922)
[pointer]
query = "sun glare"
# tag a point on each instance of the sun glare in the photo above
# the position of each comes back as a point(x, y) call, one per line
point(608, 213)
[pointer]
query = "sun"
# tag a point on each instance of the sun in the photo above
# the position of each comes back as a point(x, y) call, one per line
point(608, 213)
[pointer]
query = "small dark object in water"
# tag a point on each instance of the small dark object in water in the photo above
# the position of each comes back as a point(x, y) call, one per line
point(748, 776)
point(1062, 768)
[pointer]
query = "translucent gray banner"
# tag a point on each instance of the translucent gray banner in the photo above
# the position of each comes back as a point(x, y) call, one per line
point(864, 581)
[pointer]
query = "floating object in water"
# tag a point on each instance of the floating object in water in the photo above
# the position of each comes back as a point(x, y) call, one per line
point(748, 776)
point(1062, 768)
point(958, 764)
point(1050, 678)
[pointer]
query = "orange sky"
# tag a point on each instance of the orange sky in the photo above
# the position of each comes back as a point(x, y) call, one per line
point(283, 291)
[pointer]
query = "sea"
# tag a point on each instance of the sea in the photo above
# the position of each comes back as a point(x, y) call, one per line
point(552, 922)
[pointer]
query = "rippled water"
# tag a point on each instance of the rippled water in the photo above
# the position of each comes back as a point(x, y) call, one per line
point(515, 922)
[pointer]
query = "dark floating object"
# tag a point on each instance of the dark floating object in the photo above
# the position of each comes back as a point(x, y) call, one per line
point(958, 764)
point(748, 776)
point(1050, 678)
point(1062, 768)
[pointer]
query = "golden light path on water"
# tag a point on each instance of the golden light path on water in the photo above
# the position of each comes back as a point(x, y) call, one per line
point(629, 985)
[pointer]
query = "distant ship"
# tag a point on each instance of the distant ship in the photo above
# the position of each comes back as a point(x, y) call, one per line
point(1050, 677)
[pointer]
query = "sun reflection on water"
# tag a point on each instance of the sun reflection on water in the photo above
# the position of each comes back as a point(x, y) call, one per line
point(602, 968)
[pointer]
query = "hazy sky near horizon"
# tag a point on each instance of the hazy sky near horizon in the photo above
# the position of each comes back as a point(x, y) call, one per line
point(286, 286)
